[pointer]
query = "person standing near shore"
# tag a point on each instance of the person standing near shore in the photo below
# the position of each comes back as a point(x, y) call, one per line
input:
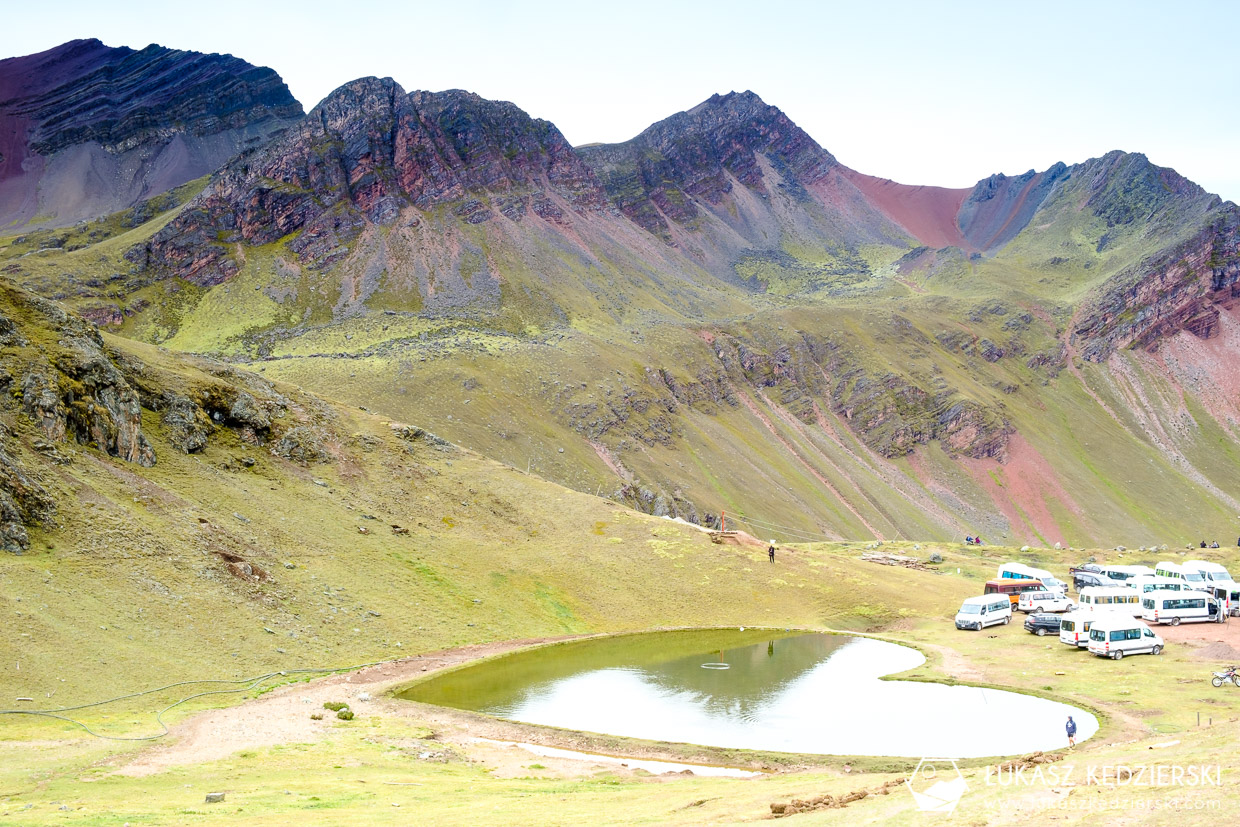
point(1071, 729)
point(770, 552)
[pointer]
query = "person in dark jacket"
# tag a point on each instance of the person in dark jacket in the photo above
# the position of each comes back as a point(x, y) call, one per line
point(1071, 728)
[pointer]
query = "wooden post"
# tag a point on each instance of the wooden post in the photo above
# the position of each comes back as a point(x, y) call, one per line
point(723, 521)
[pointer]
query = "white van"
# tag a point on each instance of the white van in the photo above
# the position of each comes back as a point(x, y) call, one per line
point(1150, 582)
point(1044, 602)
point(1228, 594)
point(1113, 636)
point(1122, 573)
point(1074, 628)
point(1212, 571)
point(1179, 606)
point(985, 610)
point(1111, 598)
point(1194, 578)
point(1019, 571)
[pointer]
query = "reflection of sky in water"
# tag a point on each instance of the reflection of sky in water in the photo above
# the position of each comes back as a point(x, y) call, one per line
point(830, 702)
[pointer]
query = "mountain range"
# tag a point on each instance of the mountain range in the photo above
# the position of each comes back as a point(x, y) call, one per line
point(715, 320)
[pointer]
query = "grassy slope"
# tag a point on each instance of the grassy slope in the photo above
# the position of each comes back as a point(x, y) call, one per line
point(541, 559)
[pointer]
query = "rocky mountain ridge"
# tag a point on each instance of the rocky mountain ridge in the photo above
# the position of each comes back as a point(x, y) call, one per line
point(86, 129)
point(405, 239)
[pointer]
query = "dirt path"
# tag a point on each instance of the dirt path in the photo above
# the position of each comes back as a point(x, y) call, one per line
point(283, 715)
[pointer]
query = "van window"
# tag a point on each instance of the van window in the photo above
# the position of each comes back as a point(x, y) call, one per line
point(1133, 634)
point(1118, 634)
point(1067, 625)
point(1147, 633)
point(1148, 604)
point(1097, 634)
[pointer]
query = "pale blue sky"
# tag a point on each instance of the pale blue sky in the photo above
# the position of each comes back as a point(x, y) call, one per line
point(939, 93)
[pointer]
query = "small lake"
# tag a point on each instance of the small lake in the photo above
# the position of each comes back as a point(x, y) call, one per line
point(754, 689)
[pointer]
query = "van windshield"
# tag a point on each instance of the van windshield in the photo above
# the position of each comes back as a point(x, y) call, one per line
point(1057, 585)
point(970, 609)
point(1194, 577)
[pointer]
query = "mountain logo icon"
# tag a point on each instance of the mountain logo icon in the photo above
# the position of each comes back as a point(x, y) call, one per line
point(936, 785)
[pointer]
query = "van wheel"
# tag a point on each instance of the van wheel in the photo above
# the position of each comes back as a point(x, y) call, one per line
point(1175, 621)
point(1007, 620)
point(1040, 633)
point(1118, 654)
point(1157, 650)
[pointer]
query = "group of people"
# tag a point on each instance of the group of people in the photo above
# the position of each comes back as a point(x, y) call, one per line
point(1215, 544)
point(972, 541)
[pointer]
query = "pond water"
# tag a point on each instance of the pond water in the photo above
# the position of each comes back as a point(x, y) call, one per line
point(762, 690)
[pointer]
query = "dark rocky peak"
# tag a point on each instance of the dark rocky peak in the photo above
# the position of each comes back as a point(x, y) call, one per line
point(1124, 187)
point(366, 153)
point(85, 91)
point(142, 122)
point(694, 153)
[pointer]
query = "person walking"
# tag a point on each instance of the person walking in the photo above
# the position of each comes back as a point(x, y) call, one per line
point(1071, 729)
point(770, 552)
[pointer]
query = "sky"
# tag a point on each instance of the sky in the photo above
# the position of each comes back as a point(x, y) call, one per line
point(942, 93)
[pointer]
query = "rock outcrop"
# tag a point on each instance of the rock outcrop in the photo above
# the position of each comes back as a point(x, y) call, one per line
point(1182, 288)
point(24, 500)
point(86, 129)
point(61, 383)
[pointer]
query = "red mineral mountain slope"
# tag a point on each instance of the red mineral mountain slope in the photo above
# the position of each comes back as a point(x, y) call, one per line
point(928, 214)
point(86, 129)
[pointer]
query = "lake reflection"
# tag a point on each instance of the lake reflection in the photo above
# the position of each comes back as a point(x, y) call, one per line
point(787, 692)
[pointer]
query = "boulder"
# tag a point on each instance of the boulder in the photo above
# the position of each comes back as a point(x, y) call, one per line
point(300, 444)
point(188, 425)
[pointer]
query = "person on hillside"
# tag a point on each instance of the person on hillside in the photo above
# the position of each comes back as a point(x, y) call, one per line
point(1203, 543)
point(977, 541)
point(770, 552)
point(1071, 728)
point(968, 540)
point(1214, 544)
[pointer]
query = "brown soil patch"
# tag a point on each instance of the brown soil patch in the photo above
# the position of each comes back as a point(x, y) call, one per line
point(928, 213)
point(1209, 641)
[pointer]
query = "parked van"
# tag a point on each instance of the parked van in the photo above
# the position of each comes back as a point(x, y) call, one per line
point(1179, 606)
point(985, 610)
point(1019, 571)
point(1113, 636)
point(1191, 576)
point(1212, 571)
point(1150, 582)
point(1074, 627)
point(1053, 601)
point(1111, 598)
point(1228, 594)
point(1013, 588)
point(1122, 573)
